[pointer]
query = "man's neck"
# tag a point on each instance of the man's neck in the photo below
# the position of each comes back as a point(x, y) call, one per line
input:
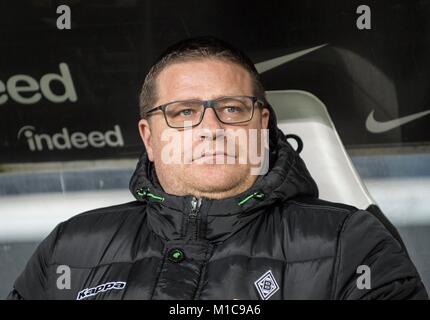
point(181, 190)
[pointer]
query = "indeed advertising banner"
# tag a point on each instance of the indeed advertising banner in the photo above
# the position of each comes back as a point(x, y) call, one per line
point(51, 116)
point(69, 83)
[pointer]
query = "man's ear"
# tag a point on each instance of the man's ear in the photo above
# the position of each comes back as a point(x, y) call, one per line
point(265, 115)
point(145, 135)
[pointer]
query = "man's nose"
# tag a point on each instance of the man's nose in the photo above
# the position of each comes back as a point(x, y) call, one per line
point(210, 124)
point(210, 120)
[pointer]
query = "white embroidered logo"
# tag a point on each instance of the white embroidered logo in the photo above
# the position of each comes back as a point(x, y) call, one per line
point(88, 292)
point(266, 285)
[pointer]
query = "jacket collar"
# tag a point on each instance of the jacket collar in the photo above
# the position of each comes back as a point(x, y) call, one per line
point(168, 215)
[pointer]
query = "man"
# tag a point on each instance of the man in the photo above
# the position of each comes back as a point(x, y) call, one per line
point(208, 225)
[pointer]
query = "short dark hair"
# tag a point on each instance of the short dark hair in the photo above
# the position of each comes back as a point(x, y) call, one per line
point(194, 49)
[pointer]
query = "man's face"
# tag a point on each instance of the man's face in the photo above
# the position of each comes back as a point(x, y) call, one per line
point(217, 176)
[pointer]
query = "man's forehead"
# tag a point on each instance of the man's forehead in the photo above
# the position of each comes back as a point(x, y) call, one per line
point(203, 79)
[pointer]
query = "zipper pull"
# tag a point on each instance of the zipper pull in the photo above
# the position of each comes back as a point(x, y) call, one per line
point(144, 193)
point(195, 206)
point(257, 195)
point(193, 219)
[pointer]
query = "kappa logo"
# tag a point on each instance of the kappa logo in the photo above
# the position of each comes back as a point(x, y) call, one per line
point(266, 285)
point(88, 292)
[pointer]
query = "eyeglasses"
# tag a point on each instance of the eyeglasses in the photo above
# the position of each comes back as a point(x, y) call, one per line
point(190, 113)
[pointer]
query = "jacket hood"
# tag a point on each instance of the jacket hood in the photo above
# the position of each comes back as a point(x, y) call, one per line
point(287, 177)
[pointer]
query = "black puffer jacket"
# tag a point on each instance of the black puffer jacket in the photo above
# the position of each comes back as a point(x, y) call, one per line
point(277, 240)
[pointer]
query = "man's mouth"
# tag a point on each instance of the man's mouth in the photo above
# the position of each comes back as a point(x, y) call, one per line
point(213, 155)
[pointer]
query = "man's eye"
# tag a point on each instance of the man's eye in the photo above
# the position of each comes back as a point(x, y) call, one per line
point(232, 109)
point(186, 112)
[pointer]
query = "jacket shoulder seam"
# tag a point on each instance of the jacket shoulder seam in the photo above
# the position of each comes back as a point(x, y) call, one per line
point(318, 207)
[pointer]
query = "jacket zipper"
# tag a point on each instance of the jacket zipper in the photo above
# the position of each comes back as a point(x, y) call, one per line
point(193, 216)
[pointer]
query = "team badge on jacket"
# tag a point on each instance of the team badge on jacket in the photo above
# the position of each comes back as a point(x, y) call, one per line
point(266, 285)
